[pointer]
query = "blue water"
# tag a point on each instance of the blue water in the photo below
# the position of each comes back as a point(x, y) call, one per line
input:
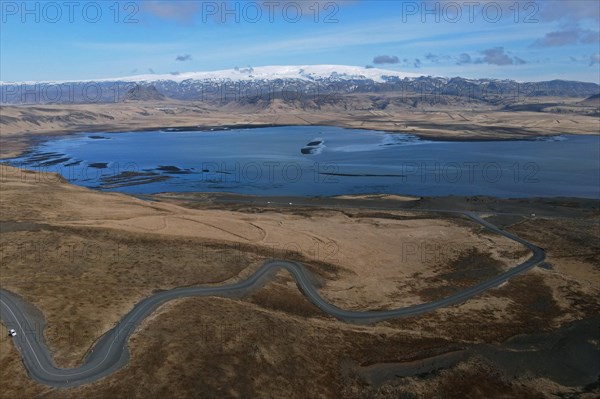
point(268, 161)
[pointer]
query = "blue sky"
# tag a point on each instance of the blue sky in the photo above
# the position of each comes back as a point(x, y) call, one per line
point(526, 40)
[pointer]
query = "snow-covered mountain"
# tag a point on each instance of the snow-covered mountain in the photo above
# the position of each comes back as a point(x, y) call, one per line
point(313, 85)
point(264, 73)
point(270, 73)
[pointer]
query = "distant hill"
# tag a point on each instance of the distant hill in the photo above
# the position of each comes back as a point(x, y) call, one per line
point(592, 101)
point(143, 93)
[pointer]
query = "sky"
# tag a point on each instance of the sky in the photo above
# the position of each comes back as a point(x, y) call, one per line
point(524, 40)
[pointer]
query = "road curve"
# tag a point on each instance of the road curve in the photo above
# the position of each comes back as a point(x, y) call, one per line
point(110, 351)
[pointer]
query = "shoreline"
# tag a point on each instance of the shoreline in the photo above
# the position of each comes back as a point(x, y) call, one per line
point(30, 140)
point(540, 206)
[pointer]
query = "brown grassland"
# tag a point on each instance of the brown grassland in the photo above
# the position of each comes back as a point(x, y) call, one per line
point(84, 258)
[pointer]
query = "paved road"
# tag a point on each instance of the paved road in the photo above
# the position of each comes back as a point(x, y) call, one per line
point(110, 351)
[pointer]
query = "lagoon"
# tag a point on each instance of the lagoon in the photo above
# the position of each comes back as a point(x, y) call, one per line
point(320, 161)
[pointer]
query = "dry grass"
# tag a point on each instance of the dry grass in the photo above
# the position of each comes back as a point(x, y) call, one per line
point(85, 268)
point(86, 265)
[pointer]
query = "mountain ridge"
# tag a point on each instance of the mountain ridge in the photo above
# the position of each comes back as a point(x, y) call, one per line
point(318, 83)
point(273, 72)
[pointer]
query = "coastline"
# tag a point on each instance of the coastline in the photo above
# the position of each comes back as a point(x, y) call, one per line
point(27, 141)
point(551, 207)
point(23, 125)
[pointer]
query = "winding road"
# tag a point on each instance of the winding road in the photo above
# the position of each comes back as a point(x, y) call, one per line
point(110, 351)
